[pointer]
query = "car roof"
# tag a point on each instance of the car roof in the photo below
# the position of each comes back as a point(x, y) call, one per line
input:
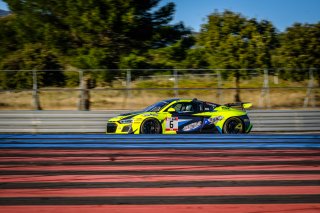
point(188, 99)
point(172, 99)
point(181, 99)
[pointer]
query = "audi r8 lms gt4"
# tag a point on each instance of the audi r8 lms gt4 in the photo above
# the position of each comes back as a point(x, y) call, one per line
point(181, 116)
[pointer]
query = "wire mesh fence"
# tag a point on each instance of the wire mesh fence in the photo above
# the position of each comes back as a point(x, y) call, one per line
point(135, 88)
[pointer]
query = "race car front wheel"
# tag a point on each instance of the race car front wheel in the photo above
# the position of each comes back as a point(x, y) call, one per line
point(150, 126)
point(233, 125)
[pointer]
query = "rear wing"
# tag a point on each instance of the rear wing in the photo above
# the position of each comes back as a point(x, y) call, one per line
point(240, 105)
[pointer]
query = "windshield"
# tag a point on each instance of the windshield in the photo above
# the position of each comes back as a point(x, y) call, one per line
point(156, 107)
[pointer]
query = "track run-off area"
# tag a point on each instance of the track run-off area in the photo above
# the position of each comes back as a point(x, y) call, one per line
point(159, 173)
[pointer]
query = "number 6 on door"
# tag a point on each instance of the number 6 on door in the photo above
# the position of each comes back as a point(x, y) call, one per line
point(172, 124)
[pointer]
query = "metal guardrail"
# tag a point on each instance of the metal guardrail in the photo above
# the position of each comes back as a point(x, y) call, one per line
point(285, 120)
point(95, 121)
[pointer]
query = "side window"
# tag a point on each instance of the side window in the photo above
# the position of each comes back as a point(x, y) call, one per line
point(189, 107)
point(184, 107)
point(177, 107)
point(208, 108)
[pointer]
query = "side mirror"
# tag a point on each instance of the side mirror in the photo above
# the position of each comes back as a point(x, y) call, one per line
point(171, 110)
point(246, 105)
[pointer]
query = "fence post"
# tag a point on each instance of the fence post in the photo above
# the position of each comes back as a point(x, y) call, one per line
point(128, 83)
point(309, 94)
point(176, 85)
point(35, 92)
point(265, 92)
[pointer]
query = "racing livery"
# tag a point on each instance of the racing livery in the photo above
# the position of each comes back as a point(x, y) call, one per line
point(182, 116)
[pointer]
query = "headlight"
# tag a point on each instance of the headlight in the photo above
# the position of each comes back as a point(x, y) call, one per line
point(126, 121)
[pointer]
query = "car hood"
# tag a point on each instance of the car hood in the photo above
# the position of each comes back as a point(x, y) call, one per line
point(125, 116)
point(131, 115)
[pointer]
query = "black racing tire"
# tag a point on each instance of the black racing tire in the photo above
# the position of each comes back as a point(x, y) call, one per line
point(150, 126)
point(233, 125)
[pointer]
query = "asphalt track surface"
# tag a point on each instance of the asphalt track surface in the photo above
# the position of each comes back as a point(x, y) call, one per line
point(159, 173)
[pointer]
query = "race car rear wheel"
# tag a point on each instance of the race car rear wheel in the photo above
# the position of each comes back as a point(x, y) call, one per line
point(150, 126)
point(233, 125)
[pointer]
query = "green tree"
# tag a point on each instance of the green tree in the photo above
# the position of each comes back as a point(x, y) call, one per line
point(8, 40)
point(172, 56)
point(97, 34)
point(168, 57)
point(231, 41)
point(195, 59)
point(31, 57)
point(299, 50)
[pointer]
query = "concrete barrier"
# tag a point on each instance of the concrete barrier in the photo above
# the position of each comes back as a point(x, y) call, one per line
point(95, 121)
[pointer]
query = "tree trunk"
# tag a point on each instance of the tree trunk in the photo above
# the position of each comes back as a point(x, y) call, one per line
point(35, 92)
point(84, 102)
point(36, 100)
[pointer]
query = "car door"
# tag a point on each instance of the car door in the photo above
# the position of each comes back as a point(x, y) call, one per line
point(185, 114)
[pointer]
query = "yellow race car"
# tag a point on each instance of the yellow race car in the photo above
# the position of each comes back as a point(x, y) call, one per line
point(181, 116)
